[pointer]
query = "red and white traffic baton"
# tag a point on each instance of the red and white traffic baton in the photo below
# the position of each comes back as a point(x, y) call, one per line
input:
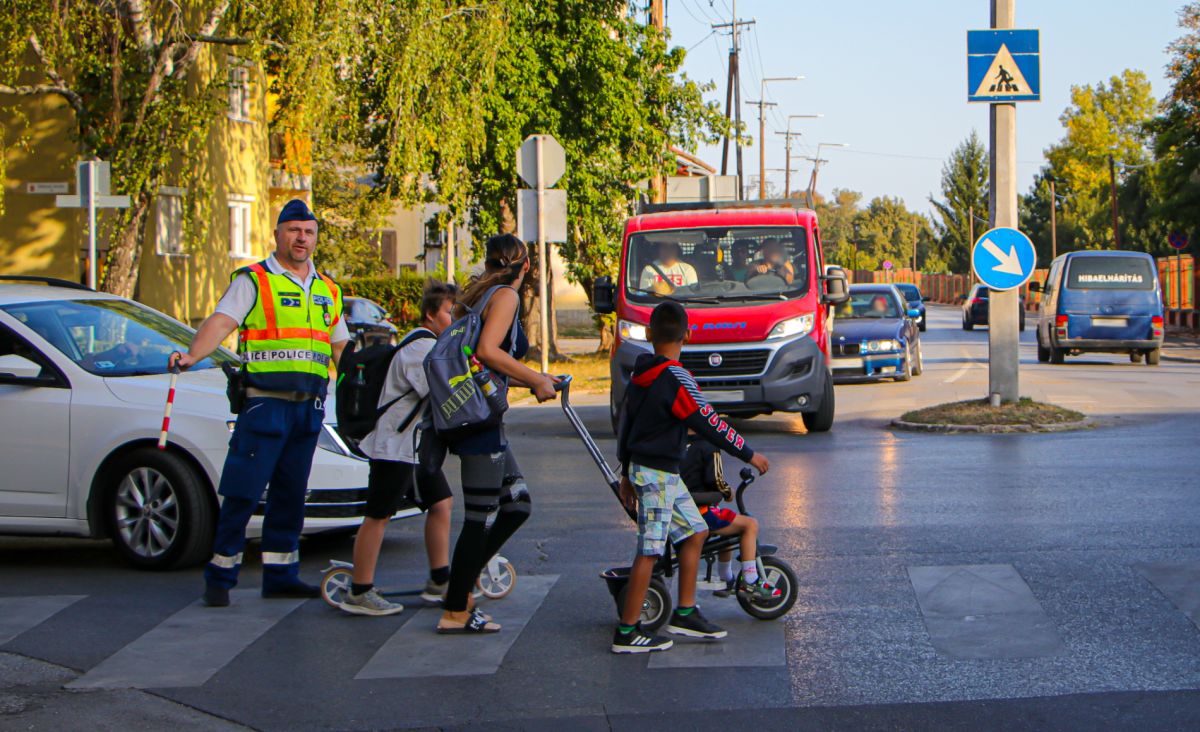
point(166, 425)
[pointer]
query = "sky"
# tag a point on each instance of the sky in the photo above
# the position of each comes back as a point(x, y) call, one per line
point(889, 78)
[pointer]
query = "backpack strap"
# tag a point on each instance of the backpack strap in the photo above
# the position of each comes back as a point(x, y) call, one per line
point(416, 334)
point(483, 301)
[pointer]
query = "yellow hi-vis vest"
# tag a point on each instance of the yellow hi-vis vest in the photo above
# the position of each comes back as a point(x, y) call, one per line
point(285, 339)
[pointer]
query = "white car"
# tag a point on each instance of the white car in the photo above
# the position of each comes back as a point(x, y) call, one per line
point(83, 384)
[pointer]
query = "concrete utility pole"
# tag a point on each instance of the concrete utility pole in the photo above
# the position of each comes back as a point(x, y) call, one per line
point(1003, 305)
point(787, 137)
point(762, 104)
point(1053, 223)
point(817, 161)
point(733, 93)
point(1112, 194)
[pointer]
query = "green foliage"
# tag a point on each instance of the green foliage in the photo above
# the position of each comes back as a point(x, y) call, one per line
point(965, 187)
point(863, 238)
point(1177, 131)
point(1103, 120)
point(399, 296)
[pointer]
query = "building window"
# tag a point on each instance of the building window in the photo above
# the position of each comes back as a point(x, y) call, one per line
point(168, 221)
point(240, 216)
point(239, 90)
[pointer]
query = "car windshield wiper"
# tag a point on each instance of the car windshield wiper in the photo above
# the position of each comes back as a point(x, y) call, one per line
point(762, 296)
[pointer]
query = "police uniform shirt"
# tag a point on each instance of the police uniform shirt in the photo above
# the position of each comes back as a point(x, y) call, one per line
point(239, 299)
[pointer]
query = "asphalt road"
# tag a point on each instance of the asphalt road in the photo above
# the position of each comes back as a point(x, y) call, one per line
point(947, 581)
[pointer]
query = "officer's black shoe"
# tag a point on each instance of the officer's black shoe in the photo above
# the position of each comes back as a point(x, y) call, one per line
point(295, 588)
point(216, 596)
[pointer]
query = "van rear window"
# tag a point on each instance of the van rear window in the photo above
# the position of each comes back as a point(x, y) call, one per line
point(1110, 273)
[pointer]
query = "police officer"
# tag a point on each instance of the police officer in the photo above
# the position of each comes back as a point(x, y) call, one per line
point(288, 318)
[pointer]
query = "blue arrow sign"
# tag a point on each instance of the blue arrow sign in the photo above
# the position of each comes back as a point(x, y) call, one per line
point(1003, 259)
point(1004, 66)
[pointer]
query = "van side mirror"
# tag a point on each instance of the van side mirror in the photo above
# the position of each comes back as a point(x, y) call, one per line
point(837, 286)
point(604, 296)
point(1035, 286)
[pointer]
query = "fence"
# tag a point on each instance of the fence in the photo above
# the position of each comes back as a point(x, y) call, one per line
point(1178, 276)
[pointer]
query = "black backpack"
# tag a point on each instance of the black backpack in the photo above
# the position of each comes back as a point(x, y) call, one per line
point(361, 375)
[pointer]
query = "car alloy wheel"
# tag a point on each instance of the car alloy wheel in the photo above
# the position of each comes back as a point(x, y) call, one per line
point(147, 512)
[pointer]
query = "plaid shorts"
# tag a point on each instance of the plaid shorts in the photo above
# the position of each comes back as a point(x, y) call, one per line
point(665, 510)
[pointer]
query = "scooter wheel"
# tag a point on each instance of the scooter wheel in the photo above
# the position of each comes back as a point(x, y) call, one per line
point(496, 581)
point(656, 608)
point(779, 575)
point(334, 586)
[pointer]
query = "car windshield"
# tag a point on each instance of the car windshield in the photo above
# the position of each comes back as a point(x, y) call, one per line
point(872, 304)
point(1110, 273)
point(910, 292)
point(717, 265)
point(111, 337)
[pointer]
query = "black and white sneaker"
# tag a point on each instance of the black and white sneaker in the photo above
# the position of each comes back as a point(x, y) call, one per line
point(694, 625)
point(636, 641)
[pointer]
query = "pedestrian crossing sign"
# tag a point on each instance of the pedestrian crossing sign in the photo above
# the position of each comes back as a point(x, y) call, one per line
point(1004, 66)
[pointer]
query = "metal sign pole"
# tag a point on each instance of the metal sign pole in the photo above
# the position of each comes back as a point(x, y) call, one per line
point(91, 207)
point(1003, 346)
point(543, 267)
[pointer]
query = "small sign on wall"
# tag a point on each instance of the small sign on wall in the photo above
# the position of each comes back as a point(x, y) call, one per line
point(48, 187)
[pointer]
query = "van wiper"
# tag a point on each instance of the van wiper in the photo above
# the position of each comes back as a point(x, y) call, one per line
point(740, 298)
point(682, 300)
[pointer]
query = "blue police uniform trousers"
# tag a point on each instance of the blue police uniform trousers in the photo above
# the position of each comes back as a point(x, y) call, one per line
point(273, 443)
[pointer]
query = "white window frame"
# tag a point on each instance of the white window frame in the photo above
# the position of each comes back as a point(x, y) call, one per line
point(240, 90)
point(168, 221)
point(241, 226)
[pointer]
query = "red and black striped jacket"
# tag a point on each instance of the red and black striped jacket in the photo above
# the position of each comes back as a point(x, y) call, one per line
point(661, 403)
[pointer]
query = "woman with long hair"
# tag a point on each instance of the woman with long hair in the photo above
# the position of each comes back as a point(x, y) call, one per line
point(491, 480)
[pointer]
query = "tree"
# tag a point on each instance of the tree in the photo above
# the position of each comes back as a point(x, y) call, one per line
point(1103, 120)
point(1177, 130)
point(609, 89)
point(965, 185)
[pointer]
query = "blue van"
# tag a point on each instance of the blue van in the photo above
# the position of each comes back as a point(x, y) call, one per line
point(1100, 302)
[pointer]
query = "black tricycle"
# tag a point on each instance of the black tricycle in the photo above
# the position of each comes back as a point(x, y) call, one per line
point(658, 604)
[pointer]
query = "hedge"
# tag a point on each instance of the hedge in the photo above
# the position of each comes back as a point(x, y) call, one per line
point(399, 296)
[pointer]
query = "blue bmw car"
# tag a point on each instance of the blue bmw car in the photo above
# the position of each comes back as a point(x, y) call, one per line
point(876, 336)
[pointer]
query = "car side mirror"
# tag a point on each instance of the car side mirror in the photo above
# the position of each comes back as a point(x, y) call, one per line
point(1035, 286)
point(837, 286)
point(604, 296)
point(914, 313)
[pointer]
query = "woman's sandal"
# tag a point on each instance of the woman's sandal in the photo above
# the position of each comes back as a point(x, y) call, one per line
point(477, 622)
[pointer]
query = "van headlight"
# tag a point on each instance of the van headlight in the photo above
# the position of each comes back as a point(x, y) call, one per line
point(632, 331)
point(330, 440)
point(792, 327)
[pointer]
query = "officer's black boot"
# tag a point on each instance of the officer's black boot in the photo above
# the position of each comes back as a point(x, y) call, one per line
point(215, 596)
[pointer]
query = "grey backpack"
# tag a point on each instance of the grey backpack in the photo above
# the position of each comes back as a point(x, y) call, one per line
point(463, 401)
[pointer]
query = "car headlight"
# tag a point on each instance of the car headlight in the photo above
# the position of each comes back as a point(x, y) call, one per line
point(330, 440)
point(632, 331)
point(793, 327)
point(883, 345)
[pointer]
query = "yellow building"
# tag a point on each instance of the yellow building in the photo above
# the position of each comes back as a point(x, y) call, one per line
point(247, 174)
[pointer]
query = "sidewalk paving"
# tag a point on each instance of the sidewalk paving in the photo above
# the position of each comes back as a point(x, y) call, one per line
point(1182, 346)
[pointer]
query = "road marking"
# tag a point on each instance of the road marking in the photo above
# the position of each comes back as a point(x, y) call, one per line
point(189, 647)
point(982, 611)
point(417, 651)
point(751, 642)
point(1179, 582)
point(19, 614)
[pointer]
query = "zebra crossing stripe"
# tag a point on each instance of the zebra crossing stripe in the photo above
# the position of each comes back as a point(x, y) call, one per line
point(189, 647)
point(417, 651)
point(19, 614)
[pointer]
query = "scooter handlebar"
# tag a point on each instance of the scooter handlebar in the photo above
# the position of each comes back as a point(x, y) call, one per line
point(563, 383)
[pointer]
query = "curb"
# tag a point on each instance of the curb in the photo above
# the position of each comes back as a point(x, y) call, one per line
point(991, 429)
point(1180, 359)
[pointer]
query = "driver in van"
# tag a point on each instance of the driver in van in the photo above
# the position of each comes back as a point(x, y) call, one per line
point(667, 271)
point(772, 260)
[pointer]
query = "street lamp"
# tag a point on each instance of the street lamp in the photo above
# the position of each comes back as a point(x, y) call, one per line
point(762, 129)
point(816, 161)
point(787, 137)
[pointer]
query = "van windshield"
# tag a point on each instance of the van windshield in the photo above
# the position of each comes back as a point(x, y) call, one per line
point(1110, 273)
point(717, 265)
